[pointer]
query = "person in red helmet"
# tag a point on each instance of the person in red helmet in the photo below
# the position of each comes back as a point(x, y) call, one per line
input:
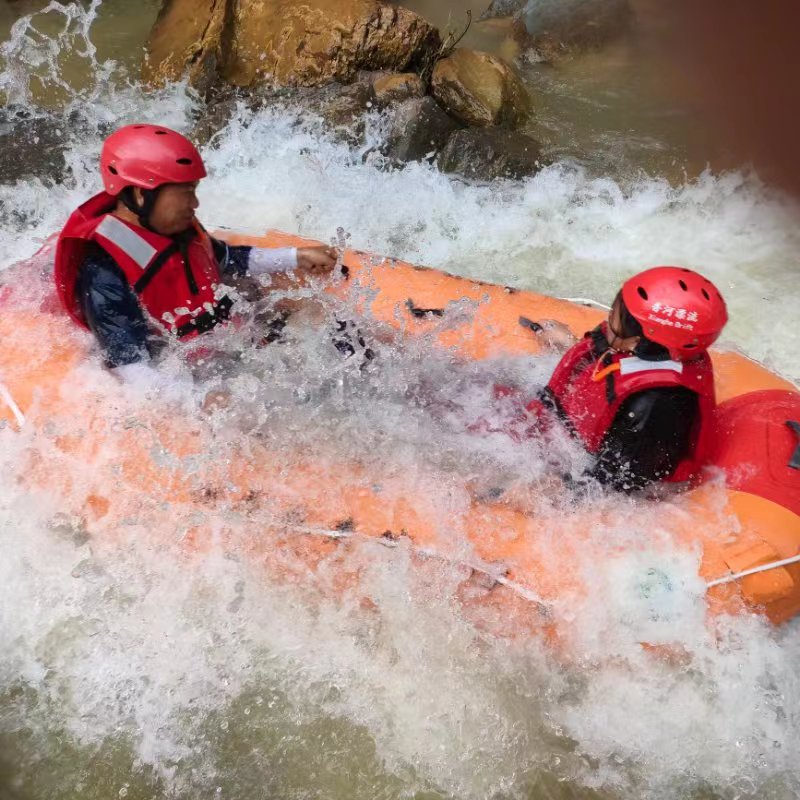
point(638, 390)
point(134, 265)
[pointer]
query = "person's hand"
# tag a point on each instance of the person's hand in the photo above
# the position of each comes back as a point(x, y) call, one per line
point(555, 335)
point(316, 260)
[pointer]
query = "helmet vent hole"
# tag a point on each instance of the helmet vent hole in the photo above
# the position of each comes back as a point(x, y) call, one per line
point(113, 170)
point(185, 161)
point(690, 346)
point(138, 127)
point(160, 133)
point(642, 293)
point(706, 294)
point(683, 286)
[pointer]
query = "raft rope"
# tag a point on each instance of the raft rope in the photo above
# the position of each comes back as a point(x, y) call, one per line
point(586, 301)
point(9, 401)
point(517, 588)
point(754, 571)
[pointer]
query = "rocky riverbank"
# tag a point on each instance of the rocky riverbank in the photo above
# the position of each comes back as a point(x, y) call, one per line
point(344, 59)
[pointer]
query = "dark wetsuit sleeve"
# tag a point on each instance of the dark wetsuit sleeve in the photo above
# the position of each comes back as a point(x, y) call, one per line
point(112, 310)
point(649, 437)
point(232, 259)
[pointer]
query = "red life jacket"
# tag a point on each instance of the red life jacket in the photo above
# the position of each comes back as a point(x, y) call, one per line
point(589, 391)
point(176, 280)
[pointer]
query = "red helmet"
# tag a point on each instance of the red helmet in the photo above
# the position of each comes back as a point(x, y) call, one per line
point(677, 308)
point(148, 156)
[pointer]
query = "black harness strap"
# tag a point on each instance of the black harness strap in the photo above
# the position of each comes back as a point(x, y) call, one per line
point(180, 244)
point(611, 390)
point(154, 267)
point(208, 320)
point(551, 402)
point(794, 461)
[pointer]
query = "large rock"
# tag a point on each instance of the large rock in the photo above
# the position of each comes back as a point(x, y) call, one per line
point(419, 130)
point(555, 28)
point(480, 89)
point(489, 153)
point(394, 88)
point(33, 142)
point(503, 8)
point(187, 40)
point(342, 108)
point(313, 42)
point(213, 118)
point(249, 43)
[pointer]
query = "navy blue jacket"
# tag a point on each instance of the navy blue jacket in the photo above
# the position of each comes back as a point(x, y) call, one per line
point(112, 310)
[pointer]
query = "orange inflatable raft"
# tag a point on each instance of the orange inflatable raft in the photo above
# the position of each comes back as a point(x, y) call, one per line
point(745, 532)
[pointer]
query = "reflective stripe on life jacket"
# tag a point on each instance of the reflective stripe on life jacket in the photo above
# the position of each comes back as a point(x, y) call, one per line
point(588, 392)
point(175, 278)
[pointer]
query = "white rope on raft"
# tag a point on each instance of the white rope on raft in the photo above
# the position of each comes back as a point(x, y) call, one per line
point(518, 588)
point(586, 301)
point(754, 571)
point(513, 586)
point(9, 401)
point(544, 607)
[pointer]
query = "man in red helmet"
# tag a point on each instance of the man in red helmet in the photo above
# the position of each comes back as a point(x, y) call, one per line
point(133, 264)
point(638, 390)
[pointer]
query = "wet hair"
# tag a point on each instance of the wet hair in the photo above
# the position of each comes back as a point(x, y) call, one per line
point(630, 326)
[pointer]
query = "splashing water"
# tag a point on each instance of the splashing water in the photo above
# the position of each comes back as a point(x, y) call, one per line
point(139, 663)
point(33, 60)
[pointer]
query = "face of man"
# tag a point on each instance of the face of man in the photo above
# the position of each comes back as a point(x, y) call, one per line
point(173, 212)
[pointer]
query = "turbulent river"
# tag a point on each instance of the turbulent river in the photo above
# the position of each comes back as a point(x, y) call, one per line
point(125, 673)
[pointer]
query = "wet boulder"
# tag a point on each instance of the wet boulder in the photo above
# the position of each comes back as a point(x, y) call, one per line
point(251, 43)
point(552, 29)
point(317, 41)
point(485, 154)
point(420, 128)
point(503, 8)
point(186, 40)
point(397, 87)
point(480, 89)
point(343, 106)
point(31, 144)
point(213, 118)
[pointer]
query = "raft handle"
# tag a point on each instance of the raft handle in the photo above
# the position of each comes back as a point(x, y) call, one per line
point(530, 325)
point(794, 461)
point(420, 313)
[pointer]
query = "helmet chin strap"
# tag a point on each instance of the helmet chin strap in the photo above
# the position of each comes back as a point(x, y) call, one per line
point(143, 211)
